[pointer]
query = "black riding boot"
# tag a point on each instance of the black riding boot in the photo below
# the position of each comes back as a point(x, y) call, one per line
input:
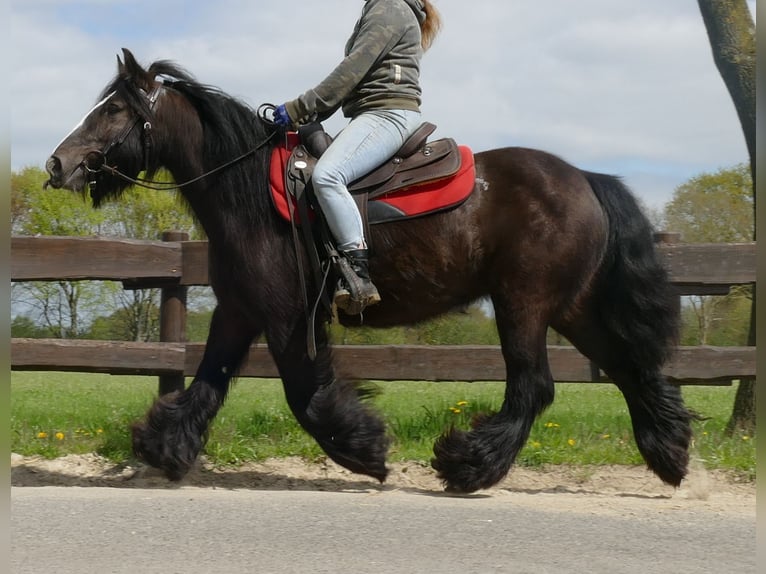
point(356, 291)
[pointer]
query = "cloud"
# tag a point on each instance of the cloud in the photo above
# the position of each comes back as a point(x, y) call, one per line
point(623, 87)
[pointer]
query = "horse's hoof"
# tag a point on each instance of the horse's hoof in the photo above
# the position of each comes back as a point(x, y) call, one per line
point(150, 447)
point(461, 466)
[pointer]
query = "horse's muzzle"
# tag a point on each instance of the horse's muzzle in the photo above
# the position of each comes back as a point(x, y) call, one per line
point(53, 167)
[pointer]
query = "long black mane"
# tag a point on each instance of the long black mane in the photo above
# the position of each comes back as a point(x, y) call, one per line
point(231, 128)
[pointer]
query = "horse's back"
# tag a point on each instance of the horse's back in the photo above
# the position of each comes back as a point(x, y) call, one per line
point(532, 224)
point(535, 199)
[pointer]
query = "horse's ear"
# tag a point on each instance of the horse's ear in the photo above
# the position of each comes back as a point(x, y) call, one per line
point(132, 70)
point(131, 65)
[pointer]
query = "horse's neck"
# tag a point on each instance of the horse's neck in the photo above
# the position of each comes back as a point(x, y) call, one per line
point(211, 196)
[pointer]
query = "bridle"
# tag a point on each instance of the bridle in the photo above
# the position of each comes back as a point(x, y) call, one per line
point(95, 162)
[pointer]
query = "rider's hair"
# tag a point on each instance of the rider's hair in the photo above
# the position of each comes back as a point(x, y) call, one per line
point(431, 26)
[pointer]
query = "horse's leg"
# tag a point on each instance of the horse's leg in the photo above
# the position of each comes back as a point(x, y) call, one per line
point(334, 412)
point(174, 431)
point(480, 458)
point(661, 422)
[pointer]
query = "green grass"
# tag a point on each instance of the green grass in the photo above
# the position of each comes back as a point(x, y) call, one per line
point(54, 414)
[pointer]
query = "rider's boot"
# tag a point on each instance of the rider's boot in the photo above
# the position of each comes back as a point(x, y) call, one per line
point(357, 291)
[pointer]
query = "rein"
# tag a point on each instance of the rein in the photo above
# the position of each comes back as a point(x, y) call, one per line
point(100, 157)
point(165, 185)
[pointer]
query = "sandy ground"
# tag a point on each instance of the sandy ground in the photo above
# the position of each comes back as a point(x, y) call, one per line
point(601, 489)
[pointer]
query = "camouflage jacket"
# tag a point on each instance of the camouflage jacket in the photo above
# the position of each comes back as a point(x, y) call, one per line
point(381, 68)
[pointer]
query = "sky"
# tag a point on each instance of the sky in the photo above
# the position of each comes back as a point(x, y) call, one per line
point(617, 86)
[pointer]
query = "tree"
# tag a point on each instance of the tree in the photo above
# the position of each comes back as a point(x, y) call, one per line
point(143, 214)
point(23, 326)
point(713, 208)
point(731, 31)
point(59, 305)
point(66, 307)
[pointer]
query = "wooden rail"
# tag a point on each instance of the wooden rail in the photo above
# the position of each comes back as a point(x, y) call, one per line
point(691, 365)
point(174, 264)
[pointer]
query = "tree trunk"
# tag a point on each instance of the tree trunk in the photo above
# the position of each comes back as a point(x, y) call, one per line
point(744, 413)
point(731, 31)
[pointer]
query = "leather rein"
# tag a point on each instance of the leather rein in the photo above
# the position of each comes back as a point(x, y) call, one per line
point(95, 162)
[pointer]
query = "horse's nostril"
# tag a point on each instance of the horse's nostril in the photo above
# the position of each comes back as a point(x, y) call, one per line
point(53, 166)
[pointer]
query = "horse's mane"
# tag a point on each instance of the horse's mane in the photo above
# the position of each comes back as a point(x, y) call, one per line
point(230, 127)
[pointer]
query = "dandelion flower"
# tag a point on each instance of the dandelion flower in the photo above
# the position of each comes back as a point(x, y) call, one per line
point(59, 436)
point(536, 444)
point(745, 437)
point(605, 436)
point(462, 403)
point(455, 410)
point(571, 442)
point(42, 435)
point(99, 431)
point(552, 425)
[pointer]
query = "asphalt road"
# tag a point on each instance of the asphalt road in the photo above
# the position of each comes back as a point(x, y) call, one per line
point(62, 530)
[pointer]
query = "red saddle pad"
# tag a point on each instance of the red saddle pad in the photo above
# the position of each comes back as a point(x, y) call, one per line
point(404, 203)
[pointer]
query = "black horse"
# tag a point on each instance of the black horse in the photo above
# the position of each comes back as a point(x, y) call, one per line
point(551, 245)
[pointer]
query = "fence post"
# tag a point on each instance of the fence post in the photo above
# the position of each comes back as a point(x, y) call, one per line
point(669, 238)
point(173, 319)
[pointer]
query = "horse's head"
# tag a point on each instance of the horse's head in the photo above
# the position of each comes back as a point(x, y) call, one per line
point(115, 133)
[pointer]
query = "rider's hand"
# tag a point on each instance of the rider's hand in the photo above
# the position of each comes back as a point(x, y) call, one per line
point(281, 117)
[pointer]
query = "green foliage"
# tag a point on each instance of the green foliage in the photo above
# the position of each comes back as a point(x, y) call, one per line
point(714, 207)
point(470, 326)
point(38, 211)
point(197, 325)
point(717, 320)
point(146, 213)
point(65, 309)
point(23, 326)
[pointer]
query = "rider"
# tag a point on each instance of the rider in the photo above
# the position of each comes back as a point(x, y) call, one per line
point(377, 85)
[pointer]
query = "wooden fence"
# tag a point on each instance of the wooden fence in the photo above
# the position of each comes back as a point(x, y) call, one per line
point(174, 264)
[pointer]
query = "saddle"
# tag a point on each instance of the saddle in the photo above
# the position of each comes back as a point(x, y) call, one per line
point(421, 178)
point(391, 191)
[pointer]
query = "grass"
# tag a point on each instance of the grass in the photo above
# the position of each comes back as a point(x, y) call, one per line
point(54, 414)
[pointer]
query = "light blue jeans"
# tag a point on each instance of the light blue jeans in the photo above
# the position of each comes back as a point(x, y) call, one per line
point(366, 142)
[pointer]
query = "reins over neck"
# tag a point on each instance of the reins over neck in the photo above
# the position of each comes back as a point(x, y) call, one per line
point(103, 167)
point(167, 185)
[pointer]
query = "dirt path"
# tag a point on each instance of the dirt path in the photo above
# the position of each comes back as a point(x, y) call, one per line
point(602, 489)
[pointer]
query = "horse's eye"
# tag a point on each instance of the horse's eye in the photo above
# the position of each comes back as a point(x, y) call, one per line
point(113, 108)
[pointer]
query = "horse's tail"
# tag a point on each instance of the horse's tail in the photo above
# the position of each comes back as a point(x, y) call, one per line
point(637, 304)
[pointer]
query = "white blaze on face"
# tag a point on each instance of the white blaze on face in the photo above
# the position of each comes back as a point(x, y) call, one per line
point(82, 121)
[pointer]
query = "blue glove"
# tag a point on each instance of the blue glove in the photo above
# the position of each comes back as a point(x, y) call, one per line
point(281, 117)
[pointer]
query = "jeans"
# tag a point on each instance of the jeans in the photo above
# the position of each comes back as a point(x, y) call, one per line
point(368, 141)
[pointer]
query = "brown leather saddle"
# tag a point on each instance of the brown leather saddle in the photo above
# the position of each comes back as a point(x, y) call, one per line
point(417, 161)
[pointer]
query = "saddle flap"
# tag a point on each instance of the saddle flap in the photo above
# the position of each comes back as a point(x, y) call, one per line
point(300, 166)
point(435, 160)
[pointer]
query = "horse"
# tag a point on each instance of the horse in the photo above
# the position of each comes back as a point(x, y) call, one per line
point(551, 245)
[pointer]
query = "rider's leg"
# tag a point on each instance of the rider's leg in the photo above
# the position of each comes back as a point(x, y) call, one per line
point(368, 141)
